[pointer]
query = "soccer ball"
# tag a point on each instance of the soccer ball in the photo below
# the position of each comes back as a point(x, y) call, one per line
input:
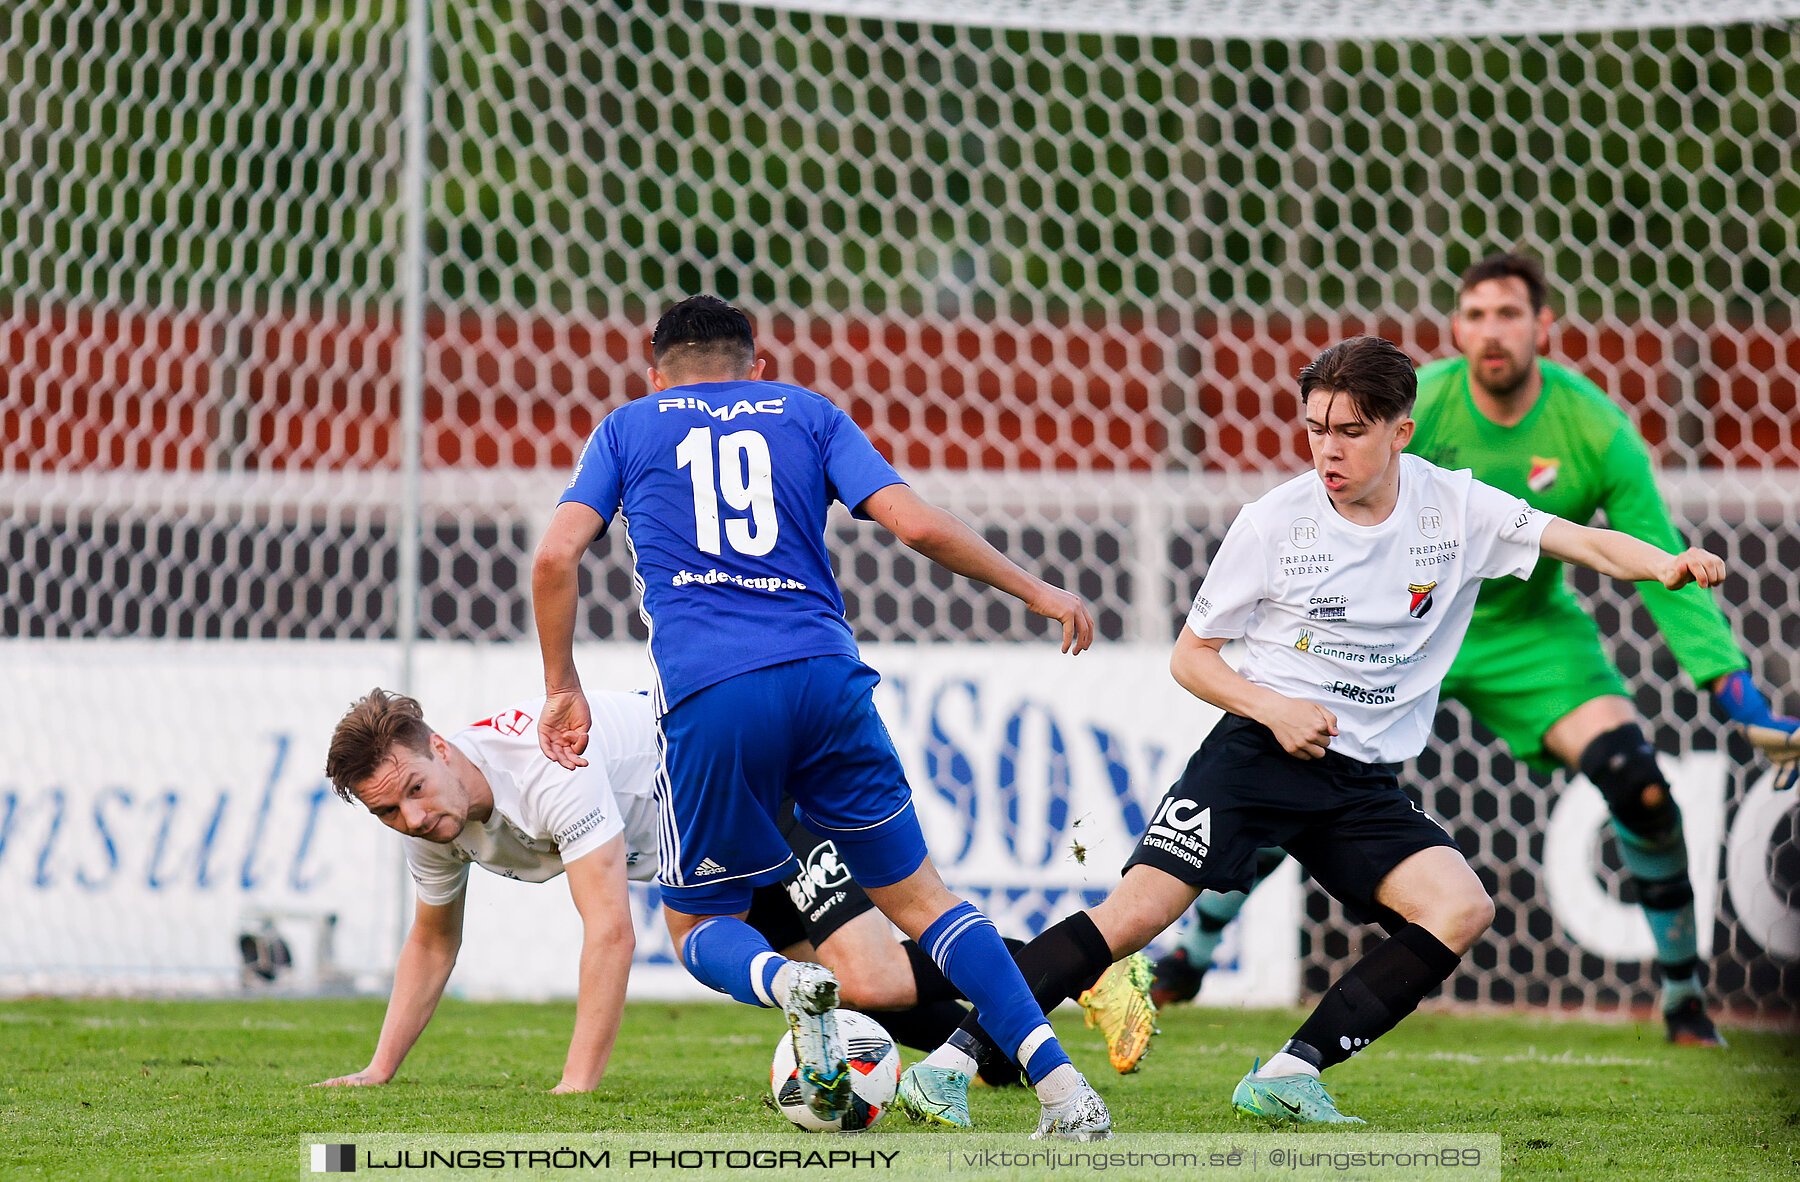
point(874, 1076)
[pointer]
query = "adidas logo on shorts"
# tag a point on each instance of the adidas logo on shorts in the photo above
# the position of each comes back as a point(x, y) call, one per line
point(708, 867)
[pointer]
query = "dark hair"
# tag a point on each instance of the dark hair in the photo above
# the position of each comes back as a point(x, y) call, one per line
point(368, 734)
point(1375, 375)
point(1509, 266)
point(706, 330)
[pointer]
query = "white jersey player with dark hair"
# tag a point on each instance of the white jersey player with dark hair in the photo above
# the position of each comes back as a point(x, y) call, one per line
point(1351, 587)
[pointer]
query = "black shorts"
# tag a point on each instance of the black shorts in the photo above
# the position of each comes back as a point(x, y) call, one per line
point(1346, 821)
point(814, 903)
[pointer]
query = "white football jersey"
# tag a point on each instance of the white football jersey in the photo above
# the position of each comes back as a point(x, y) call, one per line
point(1364, 620)
point(543, 812)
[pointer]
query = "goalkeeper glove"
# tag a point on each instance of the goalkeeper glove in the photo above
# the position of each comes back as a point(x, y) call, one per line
point(1775, 735)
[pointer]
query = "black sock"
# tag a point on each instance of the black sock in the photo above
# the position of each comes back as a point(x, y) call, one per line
point(929, 980)
point(1068, 958)
point(925, 1027)
point(1370, 999)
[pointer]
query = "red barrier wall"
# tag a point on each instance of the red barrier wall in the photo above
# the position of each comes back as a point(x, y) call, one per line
point(165, 391)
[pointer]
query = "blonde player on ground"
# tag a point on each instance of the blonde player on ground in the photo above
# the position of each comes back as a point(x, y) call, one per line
point(487, 795)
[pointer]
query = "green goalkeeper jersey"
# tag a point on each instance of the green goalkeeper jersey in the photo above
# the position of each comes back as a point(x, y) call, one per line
point(1573, 454)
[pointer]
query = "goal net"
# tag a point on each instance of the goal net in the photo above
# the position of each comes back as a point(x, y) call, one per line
point(1061, 260)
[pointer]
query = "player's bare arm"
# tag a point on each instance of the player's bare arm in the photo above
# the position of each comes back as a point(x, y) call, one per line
point(1304, 729)
point(555, 570)
point(597, 884)
point(1625, 557)
point(425, 963)
point(943, 537)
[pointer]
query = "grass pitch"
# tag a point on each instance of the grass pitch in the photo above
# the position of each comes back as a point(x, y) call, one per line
point(217, 1089)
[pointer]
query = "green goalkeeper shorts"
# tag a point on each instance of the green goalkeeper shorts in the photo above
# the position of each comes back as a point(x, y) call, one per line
point(1520, 677)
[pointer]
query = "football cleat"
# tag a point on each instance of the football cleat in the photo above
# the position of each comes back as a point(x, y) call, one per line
point(1119, 1004)
point(1083, 1118)
point(1300, 1099)
point(1175, 978)
point(1688, 1025)
point(935, 1095)
point(818, 1047)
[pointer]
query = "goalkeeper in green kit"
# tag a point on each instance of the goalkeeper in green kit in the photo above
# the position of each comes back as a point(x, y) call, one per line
point(1532, 668)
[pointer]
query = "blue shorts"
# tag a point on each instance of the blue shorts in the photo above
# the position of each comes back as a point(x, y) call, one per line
point(807, 729)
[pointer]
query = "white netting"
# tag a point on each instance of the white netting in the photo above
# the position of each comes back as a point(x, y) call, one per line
point(1062, 264)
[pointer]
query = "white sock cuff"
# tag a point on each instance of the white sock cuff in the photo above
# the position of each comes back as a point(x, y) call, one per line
point(952, 1059)
point(756, 978)
point(1029, 1045)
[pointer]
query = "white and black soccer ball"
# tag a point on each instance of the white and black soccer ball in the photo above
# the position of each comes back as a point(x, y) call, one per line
point(874, 1076)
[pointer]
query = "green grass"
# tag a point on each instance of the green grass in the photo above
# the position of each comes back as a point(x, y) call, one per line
point(216, 1089)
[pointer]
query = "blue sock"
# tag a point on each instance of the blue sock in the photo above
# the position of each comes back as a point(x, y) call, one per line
point(965, 945)
point(730, 956)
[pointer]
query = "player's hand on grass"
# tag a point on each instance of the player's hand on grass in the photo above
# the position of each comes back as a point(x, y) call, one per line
point(563, 730)
point(365, 1078)
point(1692, 566)
point(1775, 735)
point(1066, 607)
point(1304, 729)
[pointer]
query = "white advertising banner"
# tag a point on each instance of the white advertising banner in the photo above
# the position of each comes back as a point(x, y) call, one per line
point(159, 802)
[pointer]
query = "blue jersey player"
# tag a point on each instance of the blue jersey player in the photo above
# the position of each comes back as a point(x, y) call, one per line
point(723, 481)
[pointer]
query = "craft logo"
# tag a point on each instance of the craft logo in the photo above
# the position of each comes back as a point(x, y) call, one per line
point(334, 1159)
point(1304, 533)
point(1421, 599)
point(1431, 521)
point(1327, 607)
point(1543, 474)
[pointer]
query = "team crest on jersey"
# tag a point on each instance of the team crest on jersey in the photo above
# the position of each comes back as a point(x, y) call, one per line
point(508, 722)
point(1421, 599)
point(1543, 474)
